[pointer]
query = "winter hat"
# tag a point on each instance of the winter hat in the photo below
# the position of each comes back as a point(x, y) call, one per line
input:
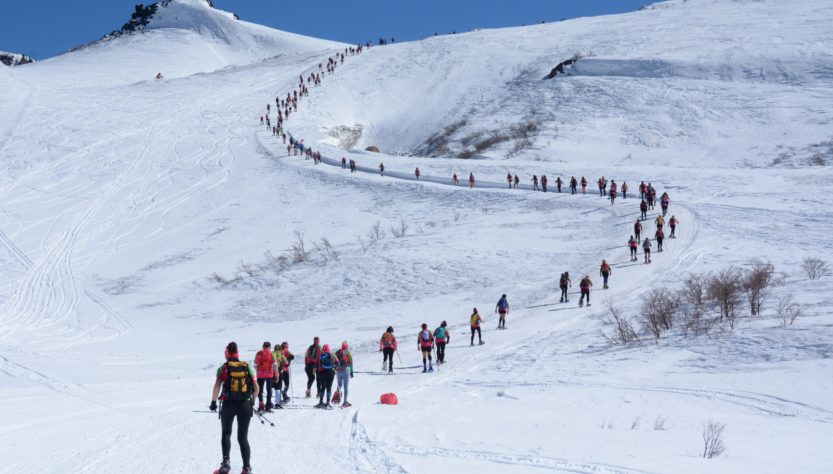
point(474, 310)
point(326, 348)
point(345, 346)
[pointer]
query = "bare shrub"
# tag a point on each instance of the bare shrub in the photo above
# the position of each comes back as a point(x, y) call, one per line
point(635, 423)
point(815, 267)
point(756, 282)
point(713, 445)
point(326, 249)
point(457, 216)
point(623, 332)
point(363, 244)
point(725, 292)
point(376, 232)
point(400, 231)
point(249, 270)
point(485, 210)
point(694, 305)
point(788, 310)
point(659, 423)
point(299, 252)
point(659, 309)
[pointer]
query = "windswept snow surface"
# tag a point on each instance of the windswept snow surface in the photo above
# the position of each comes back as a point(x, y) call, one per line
point(121, 196)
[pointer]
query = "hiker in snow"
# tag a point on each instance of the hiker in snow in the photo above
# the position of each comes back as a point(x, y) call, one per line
point(283, 358)
point(558, 183)
point(583, 185)
point(425, 344)
point(663, 203)
point(517, 181)
point(387, 346)
point(344, 372)
point(573, 185)
point(544, 183)
point(585, 285)
point(602, 186)
point(455, 180)
point(416, 173)
point(612, 194)
point(643, 190)
point(474, 322)
point(535, 182)
point(673, 223)
point(564, 283)
point(646, 249)
point(326, 373)
point(660, 235)
point(343, 163)
point(441, 338)
point(637, 229)
point(643, 210)
point(604, 272)
point(264, 361)
point(238, 382)
point(509, 179)
point(381, 169)
point(158, 76)
point(652, 196)
point(624, 190)
point(310, 359)
point(660, 222)
point(352, 166)
point(633, 244)
point(502, 307)
point(471, 180)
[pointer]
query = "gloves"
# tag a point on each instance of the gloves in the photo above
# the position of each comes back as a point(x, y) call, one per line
point(351, 375)
point(213, 406)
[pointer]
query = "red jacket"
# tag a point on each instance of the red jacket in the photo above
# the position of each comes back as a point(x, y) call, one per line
point(388, 342)
point(264, 360)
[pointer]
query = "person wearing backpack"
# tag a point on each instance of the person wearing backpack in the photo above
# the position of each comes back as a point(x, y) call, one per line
point(502, 307)
point(604, 271)
point(425, 344)
point(585, 285)
point(564, 283)
point(660, 235)
point(236, 387)
point(326, 373)
point(265, 361)
point(637, 229)
point(280, 368)
point(673, 223)
point(646, 249)
point(387, 346)
point(474, 322)
point(441, 338)
point(643, 210)
point(310, 360)
point(344, 372)
point(633, 244)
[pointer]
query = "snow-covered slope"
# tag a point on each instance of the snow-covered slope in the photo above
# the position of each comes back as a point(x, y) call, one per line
point(142, 225)
point(717, 95)
point(182, 37)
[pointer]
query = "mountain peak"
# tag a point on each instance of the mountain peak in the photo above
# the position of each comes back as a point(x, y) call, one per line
point(160, 14)
point(14, 59)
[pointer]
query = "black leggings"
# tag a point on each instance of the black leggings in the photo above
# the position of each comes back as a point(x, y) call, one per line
point(310, 370)
point(479, 337)
point(243, 412)
point(265, 386)
point(325, 381)
point(387, 354)
point(441, 352)
point(564, 293)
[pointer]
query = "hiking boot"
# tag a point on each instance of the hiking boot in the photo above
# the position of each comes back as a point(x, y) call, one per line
point(225, 468)
point(346, 405)
point(247, 470)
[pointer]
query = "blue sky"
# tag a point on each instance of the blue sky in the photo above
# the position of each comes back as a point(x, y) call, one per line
point(44, 28)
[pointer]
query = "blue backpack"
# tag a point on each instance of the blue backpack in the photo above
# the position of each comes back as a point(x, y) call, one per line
point(326, 360)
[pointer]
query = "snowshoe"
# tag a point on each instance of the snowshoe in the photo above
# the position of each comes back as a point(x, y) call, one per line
point(246, 470)
point(588, 305)
point(225, 468)
point(336, 397)
point(346, 405)
point(261, 407)
point(424, 370)
point(481, 343)
point(320, 405)
point(327, 406)
point(430, 369)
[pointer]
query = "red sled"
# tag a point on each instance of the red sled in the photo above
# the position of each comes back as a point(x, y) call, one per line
point(389, 399)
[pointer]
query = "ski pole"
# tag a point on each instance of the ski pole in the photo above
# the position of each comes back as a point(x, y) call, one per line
point(263, 418)
point(436, 357)
point(397, 355)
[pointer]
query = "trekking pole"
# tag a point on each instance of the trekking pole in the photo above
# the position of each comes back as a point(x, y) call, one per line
point(436, 357)
point(291, 384)
point(263, 419)
point(397, 355)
